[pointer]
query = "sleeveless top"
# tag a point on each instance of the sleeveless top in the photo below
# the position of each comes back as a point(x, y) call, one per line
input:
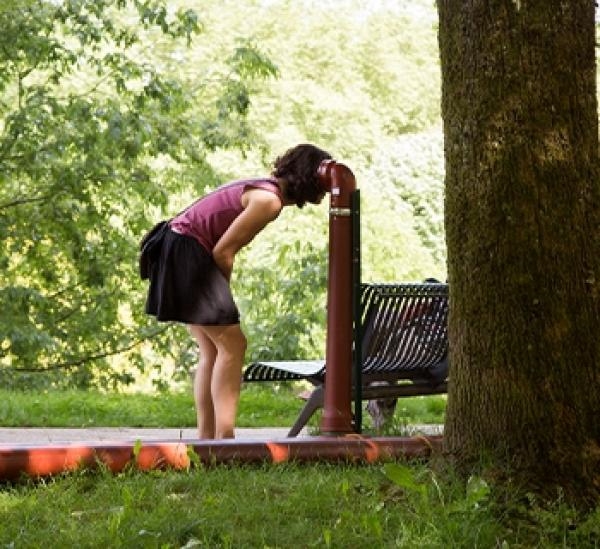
point(209, 217)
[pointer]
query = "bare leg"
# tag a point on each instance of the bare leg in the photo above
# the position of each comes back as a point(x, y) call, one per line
point(226, 375)
point(205, 412)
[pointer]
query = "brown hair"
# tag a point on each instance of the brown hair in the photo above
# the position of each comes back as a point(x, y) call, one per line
point(298, 166)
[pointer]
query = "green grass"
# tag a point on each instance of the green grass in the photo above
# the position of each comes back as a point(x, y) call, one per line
point(269, 506)
point(281, 506)
point(266, 405)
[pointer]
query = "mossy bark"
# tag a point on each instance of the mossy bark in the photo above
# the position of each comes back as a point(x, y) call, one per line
point(523, 233)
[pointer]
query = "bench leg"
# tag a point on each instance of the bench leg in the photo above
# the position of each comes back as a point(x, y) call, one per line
point(314, 402)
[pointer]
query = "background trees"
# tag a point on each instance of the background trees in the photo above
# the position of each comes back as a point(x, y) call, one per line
point(95, 138)
point(522, 219)
point(114, 114)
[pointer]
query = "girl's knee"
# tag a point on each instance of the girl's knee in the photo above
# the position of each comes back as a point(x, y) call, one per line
point(228, 339)
point(243, 342)
point(235, 341)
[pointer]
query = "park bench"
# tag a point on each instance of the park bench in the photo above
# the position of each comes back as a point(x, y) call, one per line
point(402, 341)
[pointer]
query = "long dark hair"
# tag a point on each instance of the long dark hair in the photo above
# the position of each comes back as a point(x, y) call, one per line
point(298, 166)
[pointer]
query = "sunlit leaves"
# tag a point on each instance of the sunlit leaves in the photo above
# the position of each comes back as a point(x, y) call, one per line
point(111, 122)
point(94, 136)
point(248, 61)
point(282, 298)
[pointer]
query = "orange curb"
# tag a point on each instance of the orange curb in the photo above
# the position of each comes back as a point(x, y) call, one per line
point(29, 460)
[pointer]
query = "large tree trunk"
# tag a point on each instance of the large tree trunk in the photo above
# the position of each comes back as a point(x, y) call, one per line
point(523, 233)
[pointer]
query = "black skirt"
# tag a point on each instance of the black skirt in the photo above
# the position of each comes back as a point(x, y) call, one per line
point(187, 286)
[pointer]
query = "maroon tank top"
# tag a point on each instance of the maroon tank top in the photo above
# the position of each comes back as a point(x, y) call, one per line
point(208, 218)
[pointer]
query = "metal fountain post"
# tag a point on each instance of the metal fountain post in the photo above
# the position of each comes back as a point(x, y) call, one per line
point(339, 181)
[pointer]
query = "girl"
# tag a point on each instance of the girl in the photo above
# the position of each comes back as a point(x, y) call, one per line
point(189, 276)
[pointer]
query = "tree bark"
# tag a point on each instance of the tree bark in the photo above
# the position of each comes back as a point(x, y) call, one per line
point(523, 233)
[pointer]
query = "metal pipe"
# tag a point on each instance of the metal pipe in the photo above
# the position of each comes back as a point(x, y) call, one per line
point(356, 313)
point(19, 461)
point(337, 416)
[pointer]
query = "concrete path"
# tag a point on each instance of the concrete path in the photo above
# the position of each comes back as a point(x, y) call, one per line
point(51, 435)
point(10, 436)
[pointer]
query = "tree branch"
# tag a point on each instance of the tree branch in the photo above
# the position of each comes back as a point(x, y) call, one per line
point(91, 358)
point(21, 201)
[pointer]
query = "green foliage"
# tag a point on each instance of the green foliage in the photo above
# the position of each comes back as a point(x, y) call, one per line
point(411, 170)
point(283, 301)
point(115, 114)
point(94, 138)
point(338, 85)
point(260, 406)
point(276, 506)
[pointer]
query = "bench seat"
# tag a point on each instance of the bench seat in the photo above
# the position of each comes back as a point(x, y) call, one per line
point(402, 341)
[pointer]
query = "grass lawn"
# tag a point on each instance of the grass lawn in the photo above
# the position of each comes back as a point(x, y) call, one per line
point(270, 506)
point(266, 405)
point(281, 506)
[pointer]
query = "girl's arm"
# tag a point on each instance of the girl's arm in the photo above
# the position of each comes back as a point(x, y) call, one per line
point(261, 207)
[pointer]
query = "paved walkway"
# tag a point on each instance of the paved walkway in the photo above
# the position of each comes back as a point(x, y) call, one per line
point(50, 435)
point(122, 434)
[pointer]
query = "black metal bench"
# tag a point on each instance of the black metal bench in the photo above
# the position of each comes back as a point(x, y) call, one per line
point(402, 340)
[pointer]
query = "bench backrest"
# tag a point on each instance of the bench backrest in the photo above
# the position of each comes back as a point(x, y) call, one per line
point(404, 327)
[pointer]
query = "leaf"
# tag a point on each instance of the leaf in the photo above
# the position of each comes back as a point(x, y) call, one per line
point(404, 477)
point(137, 448)
point(477, 490)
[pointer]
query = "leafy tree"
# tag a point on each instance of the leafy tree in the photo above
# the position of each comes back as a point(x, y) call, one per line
point(354, 96)
point(350, 73)
point(522, 216)
point(94, 139)
point(283, 301)
point(115, 114)
point(411, 167)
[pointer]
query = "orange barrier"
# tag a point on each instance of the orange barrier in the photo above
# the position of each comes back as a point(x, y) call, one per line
point(31, 460)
